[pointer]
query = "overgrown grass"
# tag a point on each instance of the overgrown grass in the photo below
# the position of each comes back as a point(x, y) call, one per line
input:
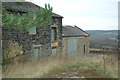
point(40, 68)
point(0, 72)
point(77, 66)
point(85, 66)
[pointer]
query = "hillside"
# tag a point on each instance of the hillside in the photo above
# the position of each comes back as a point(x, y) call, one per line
point(104, 39)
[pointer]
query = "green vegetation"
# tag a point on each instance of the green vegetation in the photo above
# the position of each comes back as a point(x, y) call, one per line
point(41, 17)
point(11, 52)
point(89, 67)
point(88, 70)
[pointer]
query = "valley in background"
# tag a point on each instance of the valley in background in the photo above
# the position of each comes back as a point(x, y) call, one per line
point(104, 39)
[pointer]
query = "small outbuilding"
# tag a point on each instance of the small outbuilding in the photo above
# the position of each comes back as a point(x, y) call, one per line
point(75, 41)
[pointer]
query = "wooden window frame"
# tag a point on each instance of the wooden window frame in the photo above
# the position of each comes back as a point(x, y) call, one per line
point(37, 46)
point(55, 34)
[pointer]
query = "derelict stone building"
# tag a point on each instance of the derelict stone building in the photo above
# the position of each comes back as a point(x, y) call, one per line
point(38, 42)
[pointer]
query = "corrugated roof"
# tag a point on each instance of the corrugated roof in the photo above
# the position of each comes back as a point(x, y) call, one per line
point(24, 7)
point(73, 31)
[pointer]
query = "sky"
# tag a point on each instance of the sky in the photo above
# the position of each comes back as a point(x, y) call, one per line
point(86, 14)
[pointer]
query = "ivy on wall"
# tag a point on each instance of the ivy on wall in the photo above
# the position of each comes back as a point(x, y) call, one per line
point(40, 17)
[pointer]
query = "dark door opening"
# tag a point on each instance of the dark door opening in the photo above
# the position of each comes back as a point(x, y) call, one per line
point(84, 48)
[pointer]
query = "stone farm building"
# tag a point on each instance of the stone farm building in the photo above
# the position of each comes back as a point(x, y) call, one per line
point(38, 42)
point(75, 41)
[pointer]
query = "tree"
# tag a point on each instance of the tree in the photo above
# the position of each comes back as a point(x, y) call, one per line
point(24, 22)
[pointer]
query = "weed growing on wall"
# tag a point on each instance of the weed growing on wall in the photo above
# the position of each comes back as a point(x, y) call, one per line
point(14, 50)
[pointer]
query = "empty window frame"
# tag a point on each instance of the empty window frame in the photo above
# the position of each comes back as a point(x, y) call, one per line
point(32, 31)
point(36, 52)
point(53, 34)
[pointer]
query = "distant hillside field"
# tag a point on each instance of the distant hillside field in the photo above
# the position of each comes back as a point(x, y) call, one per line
point(104, 39)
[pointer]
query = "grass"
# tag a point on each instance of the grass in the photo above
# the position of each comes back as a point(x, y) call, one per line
point(83, 66)
point(40, 68)
point(75, 67)
point(30, 69)
point(0, 72)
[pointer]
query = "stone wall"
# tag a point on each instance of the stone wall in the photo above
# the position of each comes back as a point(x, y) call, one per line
point(58, 23)
point(65, 45)
point(42, 37)
point(1, 52)
point(81, 41)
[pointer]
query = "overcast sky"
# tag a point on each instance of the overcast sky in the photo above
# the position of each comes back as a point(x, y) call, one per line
point(86, 14)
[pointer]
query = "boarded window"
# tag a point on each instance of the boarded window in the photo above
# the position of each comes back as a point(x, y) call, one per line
point(72, 46)
point(32, 31)
point(53, 34)
point(53, 51)
point(36, 52)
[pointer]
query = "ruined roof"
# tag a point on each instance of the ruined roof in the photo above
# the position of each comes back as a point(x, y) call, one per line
point(24, 7)
point(73, 31)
